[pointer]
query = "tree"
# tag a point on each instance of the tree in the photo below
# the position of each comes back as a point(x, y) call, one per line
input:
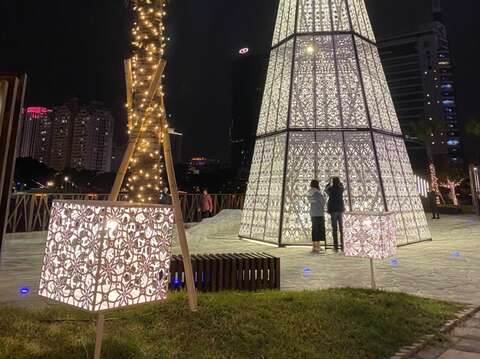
point(451, 180)
point(472, 128)
point(423, 131)
point(452, 185)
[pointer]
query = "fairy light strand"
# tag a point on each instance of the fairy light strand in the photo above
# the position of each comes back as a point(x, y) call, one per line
point(145, 179)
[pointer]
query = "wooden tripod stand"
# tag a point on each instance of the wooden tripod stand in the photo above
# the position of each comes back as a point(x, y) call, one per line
point(132, 144)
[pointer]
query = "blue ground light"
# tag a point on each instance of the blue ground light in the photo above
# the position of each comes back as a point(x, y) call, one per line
point(307, 271)
point(456, 254)
point(394, 262)
point(24, 291)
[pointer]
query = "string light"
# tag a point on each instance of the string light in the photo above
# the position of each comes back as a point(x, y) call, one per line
point(146, 170)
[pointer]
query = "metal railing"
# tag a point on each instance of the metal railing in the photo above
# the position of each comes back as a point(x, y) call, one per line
point(30, 212)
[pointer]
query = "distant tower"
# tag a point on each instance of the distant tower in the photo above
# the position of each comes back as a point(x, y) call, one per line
point(327, 111)
point(437, 11)
point(33, 141)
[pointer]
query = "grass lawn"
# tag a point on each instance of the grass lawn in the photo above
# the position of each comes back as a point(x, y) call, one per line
point(342, 323)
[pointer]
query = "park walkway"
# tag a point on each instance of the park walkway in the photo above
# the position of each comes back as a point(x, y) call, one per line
point(463, 343)
point(447, 268)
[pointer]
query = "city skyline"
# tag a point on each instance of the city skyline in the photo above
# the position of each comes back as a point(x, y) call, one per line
point(89, 53)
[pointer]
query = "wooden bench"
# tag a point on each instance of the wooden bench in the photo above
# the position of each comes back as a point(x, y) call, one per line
point(231, 271)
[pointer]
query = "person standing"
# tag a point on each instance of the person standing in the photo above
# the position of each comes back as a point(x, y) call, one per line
point(317, 213)
point(165, 197)
point(206, 204)
point(336, 208)
point(432, 200)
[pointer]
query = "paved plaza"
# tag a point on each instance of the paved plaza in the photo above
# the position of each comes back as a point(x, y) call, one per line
point(447, 268)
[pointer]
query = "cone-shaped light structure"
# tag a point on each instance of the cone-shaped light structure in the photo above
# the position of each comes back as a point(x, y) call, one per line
point(327, 111)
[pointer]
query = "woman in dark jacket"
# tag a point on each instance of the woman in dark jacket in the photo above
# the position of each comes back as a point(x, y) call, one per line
point(336, 208)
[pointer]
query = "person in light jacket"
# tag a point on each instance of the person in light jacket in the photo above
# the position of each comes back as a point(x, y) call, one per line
point(317, 213)
point(336, 208)
point(165, 197)
point(206, 204)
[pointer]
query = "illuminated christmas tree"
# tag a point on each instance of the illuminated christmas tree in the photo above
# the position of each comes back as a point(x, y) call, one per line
point(327, 111)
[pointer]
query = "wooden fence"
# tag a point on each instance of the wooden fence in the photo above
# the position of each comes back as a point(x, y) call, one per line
point(30, 212)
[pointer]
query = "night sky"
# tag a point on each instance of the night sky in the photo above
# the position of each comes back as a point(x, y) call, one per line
point(76, 49)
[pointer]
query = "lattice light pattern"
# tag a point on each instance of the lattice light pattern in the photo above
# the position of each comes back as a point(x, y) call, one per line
point(370, 235)
point(107, 255)
point(327, 111)
point(145, 180)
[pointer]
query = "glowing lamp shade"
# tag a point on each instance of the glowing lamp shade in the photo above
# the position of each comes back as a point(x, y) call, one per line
point(107, 255)
point(370, 235)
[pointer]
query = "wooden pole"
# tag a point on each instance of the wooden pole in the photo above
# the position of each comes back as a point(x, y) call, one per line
point(181, 235)
point(372, 274)
point(127, 65)
point(475, 191)
point(99, 335)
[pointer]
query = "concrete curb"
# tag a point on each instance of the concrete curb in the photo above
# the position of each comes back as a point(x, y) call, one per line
point(411, 350)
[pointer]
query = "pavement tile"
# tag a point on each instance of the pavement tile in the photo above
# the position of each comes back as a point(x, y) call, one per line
point(465, 332)
point(456, 354)
point(468, 345)
point(431, 352)
point(472, 323)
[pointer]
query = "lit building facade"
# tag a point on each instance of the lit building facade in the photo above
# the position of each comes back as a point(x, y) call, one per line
point(327, 111)
point(34, 142)
point(62, 134)
point(419, 72)
point(92, 138)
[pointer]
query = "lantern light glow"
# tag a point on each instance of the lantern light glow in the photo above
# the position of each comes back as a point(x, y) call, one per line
point(370, 235)
point(106, 255)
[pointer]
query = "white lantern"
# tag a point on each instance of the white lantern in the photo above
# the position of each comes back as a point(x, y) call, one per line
point(370, 235)
point(107, 255)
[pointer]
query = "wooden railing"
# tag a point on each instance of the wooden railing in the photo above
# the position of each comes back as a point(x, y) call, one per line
point(30, 212)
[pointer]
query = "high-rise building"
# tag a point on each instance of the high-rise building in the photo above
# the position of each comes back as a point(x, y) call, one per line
point(248, 79)
point(419, 72)
point(33, 143)
point(327, 112)
point(44, 147)
point(73, 135)
point(92, 137)
point(62, 133)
